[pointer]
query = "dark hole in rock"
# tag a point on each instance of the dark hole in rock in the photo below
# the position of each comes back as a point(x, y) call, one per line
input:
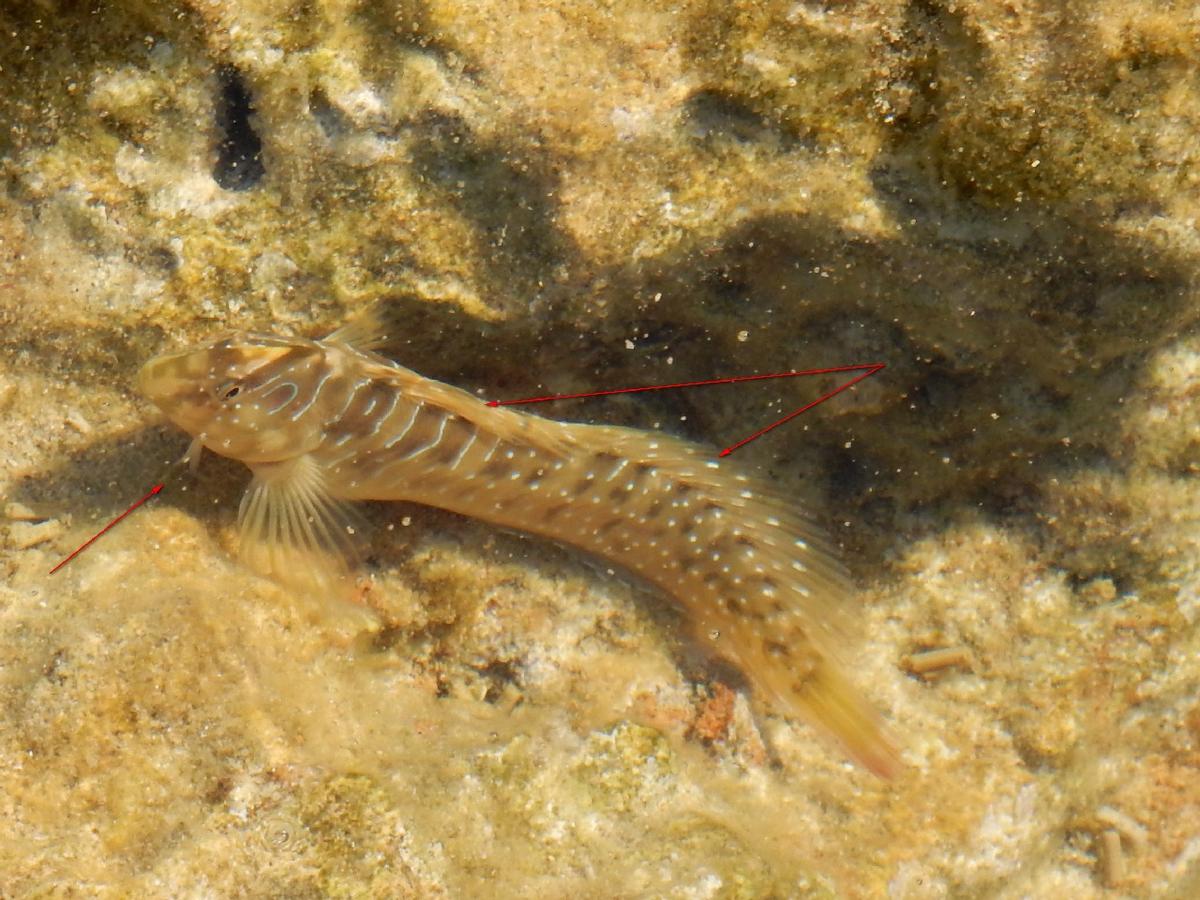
point(239, 154)
point(331, 120)
point(713, 114)
point(716, 118)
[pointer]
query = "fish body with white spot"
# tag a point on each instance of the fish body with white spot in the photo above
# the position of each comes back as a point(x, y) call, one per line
point(324, 423)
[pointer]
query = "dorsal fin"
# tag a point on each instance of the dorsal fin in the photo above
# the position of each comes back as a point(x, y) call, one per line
point(516, 428)
point(368, 330)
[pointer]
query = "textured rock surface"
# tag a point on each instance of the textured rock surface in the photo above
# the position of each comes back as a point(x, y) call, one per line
point(998, 200)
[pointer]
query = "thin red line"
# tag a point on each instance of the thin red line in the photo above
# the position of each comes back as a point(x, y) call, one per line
point(874, 367)
point(805, 408)
point(154, 490)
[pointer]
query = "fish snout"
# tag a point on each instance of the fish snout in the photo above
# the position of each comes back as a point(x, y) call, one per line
point(164, 380)
point(145, 378)
point(152, 379)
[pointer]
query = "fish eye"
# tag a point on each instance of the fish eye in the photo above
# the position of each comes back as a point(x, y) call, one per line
point(229, 390)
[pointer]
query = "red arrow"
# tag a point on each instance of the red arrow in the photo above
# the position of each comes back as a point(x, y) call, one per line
point(871, 369)
point(154, 490)
point(875, 367)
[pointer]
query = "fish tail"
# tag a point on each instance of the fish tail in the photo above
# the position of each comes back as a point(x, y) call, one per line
point(757, 579)
point(811, 686)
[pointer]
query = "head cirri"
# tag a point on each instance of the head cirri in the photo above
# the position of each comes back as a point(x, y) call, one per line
point(246, 396)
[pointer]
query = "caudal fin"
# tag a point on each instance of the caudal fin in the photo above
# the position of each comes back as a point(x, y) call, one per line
point(828, 699)
point(797, 679)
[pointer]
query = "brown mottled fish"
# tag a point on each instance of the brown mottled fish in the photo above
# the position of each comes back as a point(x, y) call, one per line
point(322, 423)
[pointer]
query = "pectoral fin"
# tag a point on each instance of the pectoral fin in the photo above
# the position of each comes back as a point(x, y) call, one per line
point(294, 531)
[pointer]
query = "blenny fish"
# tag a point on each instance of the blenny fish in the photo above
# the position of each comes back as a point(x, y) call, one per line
point(324, 423)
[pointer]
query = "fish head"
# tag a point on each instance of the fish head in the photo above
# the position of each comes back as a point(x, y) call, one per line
point(244, 396)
